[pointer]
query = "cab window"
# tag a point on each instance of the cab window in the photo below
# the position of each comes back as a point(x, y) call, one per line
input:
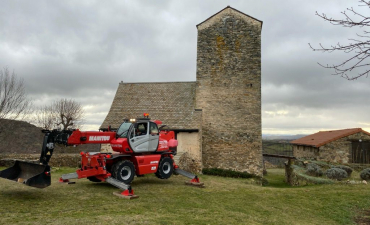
point(123, 130)
point(153, 129)
point(141, 129)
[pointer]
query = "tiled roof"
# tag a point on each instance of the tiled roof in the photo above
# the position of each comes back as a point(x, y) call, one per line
point(173, 103)
point(323, 137)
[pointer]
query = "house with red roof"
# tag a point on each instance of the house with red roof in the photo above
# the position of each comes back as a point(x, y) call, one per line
point(336, 146)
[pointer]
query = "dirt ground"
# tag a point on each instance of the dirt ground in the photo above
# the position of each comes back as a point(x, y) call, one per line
point(364, 219)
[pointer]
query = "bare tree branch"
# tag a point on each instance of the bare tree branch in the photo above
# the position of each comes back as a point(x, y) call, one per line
point(44, 118)
point(69, 113)
point(64, 114)
point(358, 63)
point(14, 103)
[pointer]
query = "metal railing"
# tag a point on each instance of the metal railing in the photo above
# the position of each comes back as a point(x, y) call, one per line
point(278, 148)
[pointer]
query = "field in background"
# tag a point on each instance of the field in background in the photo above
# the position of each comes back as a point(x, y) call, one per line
point(223, 201)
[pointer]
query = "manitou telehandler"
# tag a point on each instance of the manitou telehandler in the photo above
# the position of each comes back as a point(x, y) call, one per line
point(139, 146)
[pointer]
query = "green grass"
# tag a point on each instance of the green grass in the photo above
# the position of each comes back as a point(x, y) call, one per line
point(223, 201)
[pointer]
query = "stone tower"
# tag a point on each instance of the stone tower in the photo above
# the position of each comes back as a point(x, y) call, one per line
point(229, 91)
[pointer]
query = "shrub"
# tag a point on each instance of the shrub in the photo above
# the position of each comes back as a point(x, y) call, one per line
point(301, 178)
point(336, 173)
point(365, 174)
point(322, 164)
point(313, 169)
point(343, 167)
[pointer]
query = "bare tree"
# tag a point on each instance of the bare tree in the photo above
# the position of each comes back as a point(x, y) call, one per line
point(359, 48)
point(14, 103)
point(63, 114)
point(69, 113)
point(45, 118)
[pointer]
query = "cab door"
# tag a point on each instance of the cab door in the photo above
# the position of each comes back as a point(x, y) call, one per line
point(139, 137)
point(153, 137)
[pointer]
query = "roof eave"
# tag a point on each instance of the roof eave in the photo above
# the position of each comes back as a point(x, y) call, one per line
point(233, 9)
point(308, 145)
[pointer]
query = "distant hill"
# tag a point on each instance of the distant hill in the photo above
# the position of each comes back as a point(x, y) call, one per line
point(282, 137)
point(22, 137)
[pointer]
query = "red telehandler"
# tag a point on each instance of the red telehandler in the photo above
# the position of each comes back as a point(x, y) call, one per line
point(139, 146)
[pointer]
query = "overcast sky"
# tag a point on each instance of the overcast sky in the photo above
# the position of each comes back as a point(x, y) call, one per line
point(83, 49)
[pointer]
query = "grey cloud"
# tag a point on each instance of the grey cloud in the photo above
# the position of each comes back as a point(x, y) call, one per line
point(82, 50)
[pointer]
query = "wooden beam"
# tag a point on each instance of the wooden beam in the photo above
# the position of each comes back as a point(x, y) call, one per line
point(279, 156)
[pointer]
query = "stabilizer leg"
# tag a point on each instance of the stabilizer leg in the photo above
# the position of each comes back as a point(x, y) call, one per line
point(127, 192)
point(194, 179)
point(64, 179)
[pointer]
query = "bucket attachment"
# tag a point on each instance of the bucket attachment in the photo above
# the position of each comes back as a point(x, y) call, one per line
point(27, 173)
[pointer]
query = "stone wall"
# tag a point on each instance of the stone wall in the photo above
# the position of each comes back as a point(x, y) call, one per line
point(229, 91)
point(57, 160)
point(306, 152)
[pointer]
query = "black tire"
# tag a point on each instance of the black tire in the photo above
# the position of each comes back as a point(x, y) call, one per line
point(165, 168)
point(113, 170)
point(93, 179)
point(124, 171)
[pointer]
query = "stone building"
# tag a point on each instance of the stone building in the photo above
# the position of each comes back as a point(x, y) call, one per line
point(336, 146)
point(217, 118)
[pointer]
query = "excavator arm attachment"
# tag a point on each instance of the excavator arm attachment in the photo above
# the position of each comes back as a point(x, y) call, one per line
point(37, 174)
point(28, 173)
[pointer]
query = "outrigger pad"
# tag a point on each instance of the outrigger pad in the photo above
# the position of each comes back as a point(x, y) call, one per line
point(125, 196)
point(28, 173)
point(196, 184)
